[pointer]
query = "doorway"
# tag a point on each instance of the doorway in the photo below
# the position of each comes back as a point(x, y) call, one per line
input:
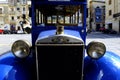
point(97, 27)
point(110, 26)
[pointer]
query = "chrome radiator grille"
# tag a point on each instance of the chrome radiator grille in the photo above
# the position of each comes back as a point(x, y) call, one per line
point(59, 61)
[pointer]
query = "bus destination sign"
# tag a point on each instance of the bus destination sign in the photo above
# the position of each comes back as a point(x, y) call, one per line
point(58, 0)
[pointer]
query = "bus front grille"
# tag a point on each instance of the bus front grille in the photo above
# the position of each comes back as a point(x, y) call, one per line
point(60, 61)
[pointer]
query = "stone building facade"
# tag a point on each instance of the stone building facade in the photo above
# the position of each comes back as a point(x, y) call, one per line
point(96, 14)
point(112, 21)
point(3, 14)
point(12, 11)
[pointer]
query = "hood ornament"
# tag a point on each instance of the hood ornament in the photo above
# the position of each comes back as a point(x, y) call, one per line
point(60, 29)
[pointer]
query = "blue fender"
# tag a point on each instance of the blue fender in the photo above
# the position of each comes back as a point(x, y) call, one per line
point(13, 69)
point(105, 68)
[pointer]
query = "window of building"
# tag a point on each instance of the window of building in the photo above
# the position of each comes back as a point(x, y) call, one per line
point(11, 2)
point(0, 10)
point(24, 1)
point(11, 9)
point(12, 17)
point(18, 8)
point(98, 10)
point(23, 8)
point(110, 26)
point(110, 12)
point(110, 1)
point(18, 0)
point(18, 17)
point(1, 20)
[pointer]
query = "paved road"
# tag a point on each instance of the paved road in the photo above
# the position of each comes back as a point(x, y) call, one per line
point(112, 42)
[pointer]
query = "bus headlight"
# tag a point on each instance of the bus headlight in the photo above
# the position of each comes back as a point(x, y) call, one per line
point(21, 48)
point(96, 50)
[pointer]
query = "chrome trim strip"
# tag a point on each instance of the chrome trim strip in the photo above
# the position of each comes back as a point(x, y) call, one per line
point(37, 63)
point(59, 44)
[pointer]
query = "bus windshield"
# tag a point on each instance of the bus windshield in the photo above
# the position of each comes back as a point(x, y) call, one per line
point(67, 15)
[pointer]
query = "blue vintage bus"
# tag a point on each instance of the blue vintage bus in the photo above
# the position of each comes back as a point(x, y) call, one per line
point(58, 50)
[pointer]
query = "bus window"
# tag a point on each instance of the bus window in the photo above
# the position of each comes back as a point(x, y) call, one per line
point(49, 20)
point(54, 19)
point(61, 19)
point(67, 20)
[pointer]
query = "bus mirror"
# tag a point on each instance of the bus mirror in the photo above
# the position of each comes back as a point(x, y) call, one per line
point(30, 12)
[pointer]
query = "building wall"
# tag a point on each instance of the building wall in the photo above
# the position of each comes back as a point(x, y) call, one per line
point(92, 5)
point(109, 18)
point(13, 11)
point(19, 8)
point(115, 10)
point(3, 15)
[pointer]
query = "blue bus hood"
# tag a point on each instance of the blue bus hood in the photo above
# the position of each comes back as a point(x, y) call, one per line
point(14, 69)
point(53, 32)
point(106, 68)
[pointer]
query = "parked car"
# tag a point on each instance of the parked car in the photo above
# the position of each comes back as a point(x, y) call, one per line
point(6, 32)
point(102, 29)
point(109, 31)
point(1, 31)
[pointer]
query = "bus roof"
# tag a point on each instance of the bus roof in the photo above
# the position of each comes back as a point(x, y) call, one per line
point(60, 0)
point(77, 2)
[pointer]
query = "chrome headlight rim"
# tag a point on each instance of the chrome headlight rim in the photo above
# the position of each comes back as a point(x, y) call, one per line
point(97, 48)
point(22, 47)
